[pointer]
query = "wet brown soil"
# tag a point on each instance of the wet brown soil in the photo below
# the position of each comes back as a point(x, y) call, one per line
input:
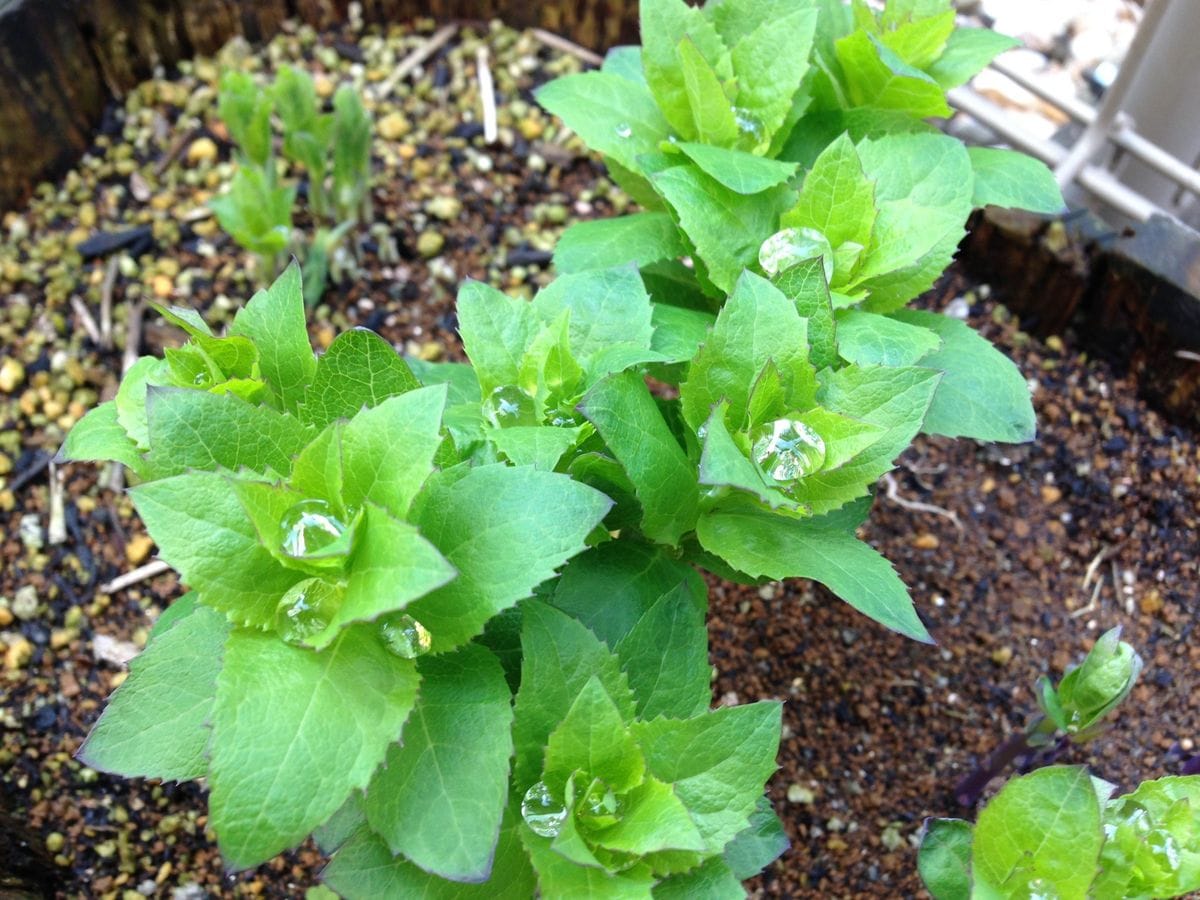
point(877, 728)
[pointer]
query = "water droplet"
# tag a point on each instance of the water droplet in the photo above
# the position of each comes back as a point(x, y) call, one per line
point(309, 528)
point(624, 131)
point(1162, 844)
point(542, 813)
point(1040, 889)
point(201, 379)
point(792, 246)
point(750, 129)
point(306, 609)
point(405, 636)
point(508, 405)
point(600, 806)
point(787, 450)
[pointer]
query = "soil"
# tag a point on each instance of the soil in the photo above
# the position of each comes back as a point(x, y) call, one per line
point(1037, 549)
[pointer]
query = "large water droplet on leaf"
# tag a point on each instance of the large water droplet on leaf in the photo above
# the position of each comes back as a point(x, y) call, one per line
point(792, 246)
point(306, 609)
point(542, 813)
point(310, 528)
point(787, 450)
point(508, 405)
point(405, 636)
point(600, 806)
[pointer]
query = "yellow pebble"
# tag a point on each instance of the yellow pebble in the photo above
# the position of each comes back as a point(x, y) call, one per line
point(18, 654)
point(138, 548)
point(163, 286)
point(202, 150)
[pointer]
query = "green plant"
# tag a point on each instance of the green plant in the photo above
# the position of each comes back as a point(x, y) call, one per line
point(1059, 831)
point(333, 149)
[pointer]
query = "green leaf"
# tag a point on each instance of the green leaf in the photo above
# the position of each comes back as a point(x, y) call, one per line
point(198, 430)
point(837, 199)
point(869, 339)
point(722, 462)
point(920, 41)
point(626, 416)
point(1013, 180)
point(613, 115)
point(982, 395)
point(539, 446)
point(770, 63)
point(631, 577)
point(664, 23)
point(739, 171)
point(654, 819)
point(557, 876)
point(392, 566)
point(559, 656)
point(968, 51)
point(441, 794)
point(506, 530)
point(364, 869)
point(360, 369)
point(99, 437)
point(895, 400)
point(495, 329)
point(274, 321)
point(757, 325)
point(203, 530)
point(131, 397)
point(608, 308)
point(640, 238)
point(665, 656)
point(726, 227)
point(342, 825)
point(713, 116)
point(1153, 841)
point(592, 739)
point(717, 763)
point(805, 285)
point(156, 724)
point(711, 881)
point(1042, 831)
point(288, 749)
point(459, 378)
point(767, 546)
point(174, 614)
point(256, 211)
point(944, 859)
point(760, 844)
point(678, 332)
point(876, 76)
point(625, 61)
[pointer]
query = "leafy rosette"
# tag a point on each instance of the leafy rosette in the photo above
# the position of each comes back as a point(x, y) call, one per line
point(337, 573)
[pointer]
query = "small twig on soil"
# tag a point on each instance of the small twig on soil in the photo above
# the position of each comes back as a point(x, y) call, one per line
point(1093, 604)
point(1188, 354)
point(558, 42)
point(1089, 574)
point(21, 479)
point(487, 94)
point(141, 573)
point(85, 319)
point(436, 41)
point(106, 301)
point(893, 494)
point(178, 147)
point(133, 335)
point(56, 529)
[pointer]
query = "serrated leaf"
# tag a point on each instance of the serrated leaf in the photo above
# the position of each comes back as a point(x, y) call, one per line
point(342, 825)
point(712, 115)
point(608, 308)
point(294, 732)
point(711, 881)
point(757, 325)
point(156, 724)
point(99, 437)
point(877, 76)
point(592, 739)
point(664, 23)
point(360, 369)
point(559, 656)
point(726, 227)
point(837, 198)
point(869, 339)
point(944, 858)
point(626, 416)
point(654, 819)
point(679, 332)
point(204, 532)
point(805, 285)
point(921, 40)
point(441, 794)
point(760, 844)
point(505, 530)
point(717, 763)
point(722, 462)
point(131, 397)
point(640, 238)
point(665, 657)
point(364, 869)
point(767, 546)
point(739, 171)
point(557, 876)
point(540, 446)
point(1044, 829)
point(1014, 181)
point(274, 321)
point(770, 63)
point(982, 393)
point(613, 115)
point(496, 329)
point(968, 51)
point(197, 430)
point(625, 61)
point(631, 577)
point(461, 383)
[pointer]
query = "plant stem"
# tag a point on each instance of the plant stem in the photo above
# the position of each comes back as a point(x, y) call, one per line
point(968, 791)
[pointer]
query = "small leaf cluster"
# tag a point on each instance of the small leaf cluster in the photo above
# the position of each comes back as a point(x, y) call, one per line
point(1059, 831)
point(376, 647)
point(332, 149)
